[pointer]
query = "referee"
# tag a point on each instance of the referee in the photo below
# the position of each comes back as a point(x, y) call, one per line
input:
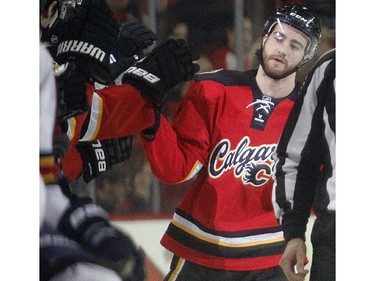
point(305, 175)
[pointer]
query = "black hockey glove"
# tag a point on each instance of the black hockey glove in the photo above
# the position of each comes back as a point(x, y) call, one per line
point(87, 20)
point(87, 224)
point(120, 65)
point(162, 69)
point(71, 87)
point(134, 37)
point(100, 156)
point(88, 38)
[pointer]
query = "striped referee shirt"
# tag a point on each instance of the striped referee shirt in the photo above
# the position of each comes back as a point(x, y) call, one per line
point(306, 154)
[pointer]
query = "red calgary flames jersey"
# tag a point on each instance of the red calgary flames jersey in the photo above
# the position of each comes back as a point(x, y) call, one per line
point(224, 135)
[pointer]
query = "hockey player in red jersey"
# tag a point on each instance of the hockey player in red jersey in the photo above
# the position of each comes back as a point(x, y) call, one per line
point(223, 138)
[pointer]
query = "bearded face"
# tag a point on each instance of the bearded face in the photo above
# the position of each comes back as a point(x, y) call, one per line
point(283, 50)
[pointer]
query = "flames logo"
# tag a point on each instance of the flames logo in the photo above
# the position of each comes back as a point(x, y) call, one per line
point(256, 174)
point(253, 164)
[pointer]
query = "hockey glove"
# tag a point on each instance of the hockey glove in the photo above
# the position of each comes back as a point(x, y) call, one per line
point(100, 156)
point(88, 38)
point(87, 20)
point(72, 91)
point(120, 65)
point(57, 252)
point(162, 69)
point(87, 224)
point(134, 37)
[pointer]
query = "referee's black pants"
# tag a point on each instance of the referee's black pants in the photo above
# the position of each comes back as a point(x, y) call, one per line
point(323, 240)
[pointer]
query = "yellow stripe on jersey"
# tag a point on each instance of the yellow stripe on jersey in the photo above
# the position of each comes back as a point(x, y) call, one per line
point(47, 161)
point(196, 168)
point(71, 128)
point(233, 242)
point(48, 169)
point(95, 118)
point(177, 270)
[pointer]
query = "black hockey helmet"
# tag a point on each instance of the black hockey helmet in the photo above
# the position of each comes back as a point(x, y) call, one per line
point(54, 32)
point(302, 19)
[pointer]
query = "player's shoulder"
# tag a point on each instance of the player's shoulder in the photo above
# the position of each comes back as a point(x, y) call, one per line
point(329, 56)
point(226, 77)
point(324, 67)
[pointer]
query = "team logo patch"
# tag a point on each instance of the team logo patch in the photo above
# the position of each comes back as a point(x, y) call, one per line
point(253, 164)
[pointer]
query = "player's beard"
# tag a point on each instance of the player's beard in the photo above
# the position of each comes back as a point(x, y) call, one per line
point(277, 70)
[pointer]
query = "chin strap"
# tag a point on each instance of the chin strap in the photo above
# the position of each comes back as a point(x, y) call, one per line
point(259, 55)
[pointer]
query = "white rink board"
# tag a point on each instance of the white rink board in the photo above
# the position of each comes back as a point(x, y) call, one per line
point(147, 234)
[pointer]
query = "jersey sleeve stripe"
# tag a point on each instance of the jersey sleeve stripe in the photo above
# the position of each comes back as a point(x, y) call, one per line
point(95, 118)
